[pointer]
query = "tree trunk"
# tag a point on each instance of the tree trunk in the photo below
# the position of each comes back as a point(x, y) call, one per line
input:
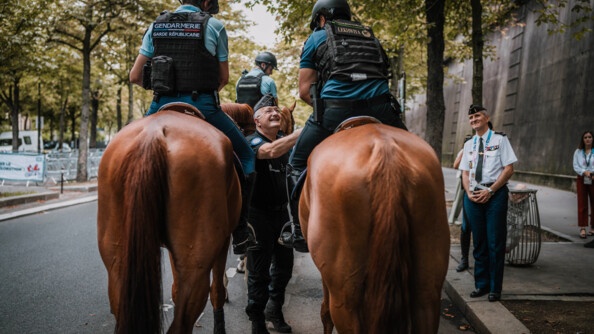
point(119, 109)
point(94, 114)
point(15, 113)
point(477, 52)
point(81, 173)
point(62, 117)
point(435, 77)
point(397, 76)
point(130, 103)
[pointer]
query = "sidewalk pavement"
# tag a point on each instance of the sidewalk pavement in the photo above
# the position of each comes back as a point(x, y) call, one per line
point(563, 270)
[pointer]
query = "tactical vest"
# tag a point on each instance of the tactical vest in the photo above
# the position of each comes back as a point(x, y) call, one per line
point(249, 89)
point(351, 53)
point(181, 37)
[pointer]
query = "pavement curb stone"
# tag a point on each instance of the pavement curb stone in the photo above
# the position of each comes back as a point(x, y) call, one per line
point(484, 316)
point(40, 196)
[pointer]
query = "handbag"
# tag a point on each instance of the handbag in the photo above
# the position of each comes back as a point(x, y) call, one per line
point(587, 180)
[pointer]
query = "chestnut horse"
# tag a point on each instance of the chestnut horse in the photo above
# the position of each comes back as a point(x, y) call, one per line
point(166, 180)
point(374, 217)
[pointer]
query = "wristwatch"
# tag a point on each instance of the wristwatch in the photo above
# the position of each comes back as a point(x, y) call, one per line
point(490, 191)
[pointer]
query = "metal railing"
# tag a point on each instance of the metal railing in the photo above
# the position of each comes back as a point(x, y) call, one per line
point(66, 163)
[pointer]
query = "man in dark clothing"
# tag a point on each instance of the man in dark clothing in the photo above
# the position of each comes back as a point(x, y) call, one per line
point(269, 264)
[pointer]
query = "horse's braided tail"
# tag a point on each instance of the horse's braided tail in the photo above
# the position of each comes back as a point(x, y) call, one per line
point(146, 184)
point(387, 296)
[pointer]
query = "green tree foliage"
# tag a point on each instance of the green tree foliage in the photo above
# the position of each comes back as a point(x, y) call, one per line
point(550, 14)
point(83, 26)
point(21, 34)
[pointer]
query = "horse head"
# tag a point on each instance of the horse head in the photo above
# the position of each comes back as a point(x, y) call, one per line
point(287, 120)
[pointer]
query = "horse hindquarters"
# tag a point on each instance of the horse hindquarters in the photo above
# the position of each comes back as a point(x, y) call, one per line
point(205, 206)
point(130, 225)
point(372, 214)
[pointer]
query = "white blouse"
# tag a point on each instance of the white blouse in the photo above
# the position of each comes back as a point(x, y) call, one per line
point(583, 162)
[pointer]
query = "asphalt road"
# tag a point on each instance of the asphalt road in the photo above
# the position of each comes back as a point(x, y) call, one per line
point(52, 280)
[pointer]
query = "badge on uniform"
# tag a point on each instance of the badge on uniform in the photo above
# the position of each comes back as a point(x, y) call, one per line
point(256, 141)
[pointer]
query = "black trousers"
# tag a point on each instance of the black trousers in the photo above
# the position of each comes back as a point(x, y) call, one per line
point(270, 266)
point(313, 132)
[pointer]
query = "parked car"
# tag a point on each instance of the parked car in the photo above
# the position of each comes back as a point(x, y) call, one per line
point(54, 146)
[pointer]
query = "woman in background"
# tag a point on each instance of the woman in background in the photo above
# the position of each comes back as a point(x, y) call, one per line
point(583, 164)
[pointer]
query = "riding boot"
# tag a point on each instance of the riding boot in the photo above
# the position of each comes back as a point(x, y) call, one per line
point(243, 235)
point(293, 239)
point(465, 249)
point(274, 314)
point(259, 327)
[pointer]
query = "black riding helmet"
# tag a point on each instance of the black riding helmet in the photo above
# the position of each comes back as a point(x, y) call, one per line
point(331, 9)
point(214, 5)
point(266, 57)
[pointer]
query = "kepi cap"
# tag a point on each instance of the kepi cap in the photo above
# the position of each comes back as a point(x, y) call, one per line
point(474, 108)
point(266, 101)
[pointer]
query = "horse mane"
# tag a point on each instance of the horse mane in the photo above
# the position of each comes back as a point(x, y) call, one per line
point(144, 175)
point(287, 120)
point(390, 255)
point(243, 115)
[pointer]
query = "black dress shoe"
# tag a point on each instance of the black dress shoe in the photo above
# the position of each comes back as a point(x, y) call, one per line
point(589, 244)
point(494, 296)
point(478, 293)
point(463, 265)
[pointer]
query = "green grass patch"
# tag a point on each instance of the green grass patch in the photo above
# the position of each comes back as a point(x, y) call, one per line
point(13, 194)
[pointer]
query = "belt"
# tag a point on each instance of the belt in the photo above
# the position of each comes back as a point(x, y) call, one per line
point(357, 104)
point(487, 184)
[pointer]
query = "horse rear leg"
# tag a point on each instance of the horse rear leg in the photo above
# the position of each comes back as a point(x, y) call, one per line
point(325, 311)
point(192, 294)
point(218, 290)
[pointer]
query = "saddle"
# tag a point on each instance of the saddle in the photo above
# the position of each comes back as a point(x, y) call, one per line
point(348, 123)
point(188, 109)
point(184, 108)
point(352, 122)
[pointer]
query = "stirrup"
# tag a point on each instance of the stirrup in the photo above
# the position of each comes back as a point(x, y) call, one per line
point(287, 239)
point(250, 242)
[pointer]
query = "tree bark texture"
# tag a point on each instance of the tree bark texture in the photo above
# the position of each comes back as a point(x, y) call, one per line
point(435, 76)
point(477, 52)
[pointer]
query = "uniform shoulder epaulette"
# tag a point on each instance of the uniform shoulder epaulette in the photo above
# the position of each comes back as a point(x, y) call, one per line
point(469, 137)
point(501, 133)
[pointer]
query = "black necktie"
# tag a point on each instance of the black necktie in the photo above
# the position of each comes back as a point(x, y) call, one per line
point(479, 165)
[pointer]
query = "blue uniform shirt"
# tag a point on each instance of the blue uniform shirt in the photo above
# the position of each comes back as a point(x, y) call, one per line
point(335, 89)
point(216, 36)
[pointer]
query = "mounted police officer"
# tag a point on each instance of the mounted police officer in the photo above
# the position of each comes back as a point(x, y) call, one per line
point(343, 72)
point(253, 85)
point(184, 58)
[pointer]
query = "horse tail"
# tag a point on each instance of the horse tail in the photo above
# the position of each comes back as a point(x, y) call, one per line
point(388, 305)
point(146, 188)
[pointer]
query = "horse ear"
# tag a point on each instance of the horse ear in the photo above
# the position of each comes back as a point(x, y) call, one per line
point(293, 106)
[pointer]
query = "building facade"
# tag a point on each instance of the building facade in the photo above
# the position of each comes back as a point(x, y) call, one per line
point(538, 89)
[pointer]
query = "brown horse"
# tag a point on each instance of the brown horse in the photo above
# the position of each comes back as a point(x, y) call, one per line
point(166, 180)
point(287, 120)
point(243, 115)
point(373, 213)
